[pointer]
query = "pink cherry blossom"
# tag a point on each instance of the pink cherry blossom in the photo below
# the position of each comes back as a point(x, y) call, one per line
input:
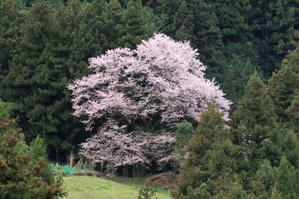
point(158, 84)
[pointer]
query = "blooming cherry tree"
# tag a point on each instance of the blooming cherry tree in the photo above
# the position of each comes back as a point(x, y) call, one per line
point(134, 94)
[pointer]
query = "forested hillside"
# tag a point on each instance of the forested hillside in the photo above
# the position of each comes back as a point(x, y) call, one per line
point(53, 54)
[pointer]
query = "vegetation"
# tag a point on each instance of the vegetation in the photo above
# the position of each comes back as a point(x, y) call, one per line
point(25, 172)
point(100, 188)
point(134, 94)
point(46, 44)
point(256, 158)
point(144, 89)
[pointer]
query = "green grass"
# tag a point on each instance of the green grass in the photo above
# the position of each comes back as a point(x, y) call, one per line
point(87, 187)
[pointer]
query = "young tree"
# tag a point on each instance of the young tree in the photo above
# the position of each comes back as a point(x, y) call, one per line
point(148, 89)
point(25, 172)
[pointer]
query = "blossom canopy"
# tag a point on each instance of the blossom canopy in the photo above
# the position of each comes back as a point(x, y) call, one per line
point(162, 78)
point(148, 89)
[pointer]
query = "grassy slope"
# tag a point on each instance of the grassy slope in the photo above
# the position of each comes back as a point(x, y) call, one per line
point(85, 187)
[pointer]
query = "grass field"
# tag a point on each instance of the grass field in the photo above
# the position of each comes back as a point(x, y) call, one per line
point(87, 187)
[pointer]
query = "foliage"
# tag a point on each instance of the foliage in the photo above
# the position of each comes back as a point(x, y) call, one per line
point(207, 170)
point(136, 148)
point(293, 111)
point(254, 158)
point(25, 172)
point(4, 110)
point(150, 88)
point(184, 131)
point(286, 181)
point(273, 29)
point(46, 46)
point(146, 192)
point(284, 84)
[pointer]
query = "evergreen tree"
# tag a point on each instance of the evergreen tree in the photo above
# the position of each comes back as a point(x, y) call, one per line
point(135, 28)
point(207, 38)
point(287, 180)
point(4, 110)
point(115, 11)
point(184, 131)
point(282, 85)
point(255, 125)
point(263, 181)
point(37, 79)
point(25, 172)
point(236, 75)
point(183, 23)
point(9, 21)
point(293, 112)
point(167, 9)
point(94, 29)
point(195, 20)
point(273, 26)
point(208, 170)
point(290, 147)
point(231, 16)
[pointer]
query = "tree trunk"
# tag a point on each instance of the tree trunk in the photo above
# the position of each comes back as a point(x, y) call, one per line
point(71, 159)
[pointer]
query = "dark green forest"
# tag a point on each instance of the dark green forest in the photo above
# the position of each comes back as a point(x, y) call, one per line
point(250, 47)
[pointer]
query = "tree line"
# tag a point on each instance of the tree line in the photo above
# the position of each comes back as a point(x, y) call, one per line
point(45, 44)
point(255, 155)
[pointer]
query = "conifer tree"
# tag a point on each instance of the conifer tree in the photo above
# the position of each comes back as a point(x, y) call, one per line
point(115, 12)
point(231, 21)
point(255, 125)
point(263, 180)
point(195, 20)
point(167, 9)
point(9, 21)
point(290, 147)
point(207, 38)
point(183, 23)
point(287, 180)
point(44, 63)
point(184, 131)
point(293, 112)
point(273, 29)
point(282, 85)
point(236, 75)
point(25, 172)
point(135, 28)
point(208, 170)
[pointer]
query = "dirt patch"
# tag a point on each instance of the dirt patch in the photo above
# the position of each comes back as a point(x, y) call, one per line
point(166, 180)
